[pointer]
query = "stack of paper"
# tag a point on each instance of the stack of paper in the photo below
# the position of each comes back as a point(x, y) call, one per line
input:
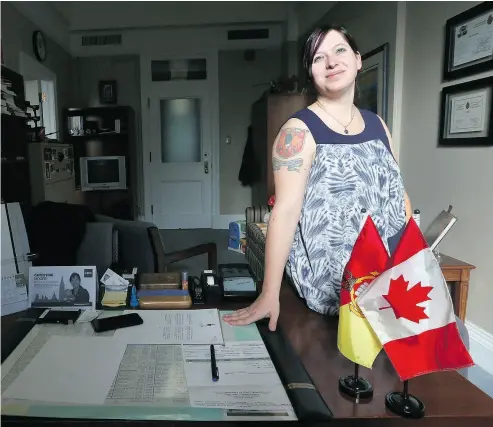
point(8, 102)
point(115, 290)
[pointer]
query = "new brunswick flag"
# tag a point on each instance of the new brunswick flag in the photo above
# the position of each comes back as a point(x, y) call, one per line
point(355, 337)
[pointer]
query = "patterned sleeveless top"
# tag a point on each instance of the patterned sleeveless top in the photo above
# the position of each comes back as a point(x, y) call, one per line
point(349, 173)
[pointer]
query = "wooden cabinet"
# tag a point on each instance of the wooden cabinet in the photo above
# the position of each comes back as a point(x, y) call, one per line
point(268, 115)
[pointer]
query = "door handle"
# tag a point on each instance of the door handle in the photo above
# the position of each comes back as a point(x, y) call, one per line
point(206, 163)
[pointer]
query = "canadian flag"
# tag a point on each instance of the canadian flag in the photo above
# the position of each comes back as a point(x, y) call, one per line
point(410, 310)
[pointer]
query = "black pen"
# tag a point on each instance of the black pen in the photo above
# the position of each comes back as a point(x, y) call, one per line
point(214, 369)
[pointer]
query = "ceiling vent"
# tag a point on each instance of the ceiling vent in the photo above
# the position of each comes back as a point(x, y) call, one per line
point(102, 40)
point(262, 33)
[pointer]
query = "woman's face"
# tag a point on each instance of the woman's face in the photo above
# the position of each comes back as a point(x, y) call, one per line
point(335, 65)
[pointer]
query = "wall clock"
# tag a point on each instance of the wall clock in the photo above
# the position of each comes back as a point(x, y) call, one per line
point(39, 45)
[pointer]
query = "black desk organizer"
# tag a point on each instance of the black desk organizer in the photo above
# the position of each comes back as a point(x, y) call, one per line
point(304, 396)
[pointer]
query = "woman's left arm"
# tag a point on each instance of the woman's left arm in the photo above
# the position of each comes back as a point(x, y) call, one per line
point(409, 210)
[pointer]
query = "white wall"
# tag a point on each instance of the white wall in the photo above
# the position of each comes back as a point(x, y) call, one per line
point(310, 12)
point(17, 31)
point(436, 177)
point(237, 94)
point(46, 17)
point(135, 14)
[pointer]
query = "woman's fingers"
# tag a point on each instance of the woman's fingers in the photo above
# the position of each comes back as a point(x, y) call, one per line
point(245, 319)
point(236, 313)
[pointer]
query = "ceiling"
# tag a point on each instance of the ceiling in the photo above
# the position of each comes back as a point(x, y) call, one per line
point(99, 15)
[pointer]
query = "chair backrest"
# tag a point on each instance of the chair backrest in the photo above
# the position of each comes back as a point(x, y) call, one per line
point(99, 246)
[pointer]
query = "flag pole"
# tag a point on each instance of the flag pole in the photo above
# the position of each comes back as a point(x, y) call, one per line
point(405, 404)
point(356, 386)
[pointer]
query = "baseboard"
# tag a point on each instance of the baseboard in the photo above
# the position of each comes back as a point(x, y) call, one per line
point(481, 346)
point(221, 222)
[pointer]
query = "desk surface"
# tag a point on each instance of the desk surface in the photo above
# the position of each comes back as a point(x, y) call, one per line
point(449, 398)
point(447, 263)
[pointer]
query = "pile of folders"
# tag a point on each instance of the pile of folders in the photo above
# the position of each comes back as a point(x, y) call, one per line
point(162, 291)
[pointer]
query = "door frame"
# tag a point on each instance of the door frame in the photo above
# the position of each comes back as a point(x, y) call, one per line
point(30, 69)
point(211, 57)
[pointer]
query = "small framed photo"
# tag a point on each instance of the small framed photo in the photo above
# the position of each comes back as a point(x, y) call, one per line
point(469, 42)
point(107, 92)
point(466, 114)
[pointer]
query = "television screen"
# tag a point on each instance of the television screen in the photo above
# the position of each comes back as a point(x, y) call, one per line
point(100, 171)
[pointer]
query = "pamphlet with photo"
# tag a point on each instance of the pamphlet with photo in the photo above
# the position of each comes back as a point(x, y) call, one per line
point(63, 287)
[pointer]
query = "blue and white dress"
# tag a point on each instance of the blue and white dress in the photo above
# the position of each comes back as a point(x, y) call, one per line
point(349, 173)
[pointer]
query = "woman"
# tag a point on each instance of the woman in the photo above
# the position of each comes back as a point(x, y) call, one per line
point(331, 162)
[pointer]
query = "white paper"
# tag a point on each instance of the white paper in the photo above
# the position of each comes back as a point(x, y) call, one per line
point(113, 281)
point(78, 370)
point(174, 327)
point(473, 40)
point(259, 397)
point(247, 377)
point(150, 374)
point(239, 363)
point(468, 113)
point(14, 267)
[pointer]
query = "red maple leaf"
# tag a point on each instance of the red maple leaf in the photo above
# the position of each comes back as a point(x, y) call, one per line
point(404, 302)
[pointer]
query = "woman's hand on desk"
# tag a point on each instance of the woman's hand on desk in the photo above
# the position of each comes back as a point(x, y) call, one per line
point(266, 305)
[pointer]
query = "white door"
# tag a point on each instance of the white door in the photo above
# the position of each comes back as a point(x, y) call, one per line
point(180, 119)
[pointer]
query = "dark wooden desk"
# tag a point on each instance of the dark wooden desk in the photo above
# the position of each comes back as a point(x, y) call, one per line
point(450, 399)
point(457, 274)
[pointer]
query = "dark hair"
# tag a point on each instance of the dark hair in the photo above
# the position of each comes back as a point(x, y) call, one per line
point(314, 41)
point(73, 276)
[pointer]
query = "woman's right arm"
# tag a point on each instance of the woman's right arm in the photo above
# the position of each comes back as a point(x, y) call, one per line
point(292, 156)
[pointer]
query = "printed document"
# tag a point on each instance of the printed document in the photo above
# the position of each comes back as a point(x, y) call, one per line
point(247, 377)
point(150, 375)
point(174, 327)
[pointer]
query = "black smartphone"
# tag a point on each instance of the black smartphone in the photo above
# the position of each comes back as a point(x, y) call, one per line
point(116, 322)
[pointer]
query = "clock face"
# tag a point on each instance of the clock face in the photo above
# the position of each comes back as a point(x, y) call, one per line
point(39, 45)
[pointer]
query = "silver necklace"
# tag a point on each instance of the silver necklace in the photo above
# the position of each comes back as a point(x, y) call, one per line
point(346, 126)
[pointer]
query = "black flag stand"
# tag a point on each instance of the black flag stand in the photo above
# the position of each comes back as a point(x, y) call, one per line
point(355, 386)
point(405, 404)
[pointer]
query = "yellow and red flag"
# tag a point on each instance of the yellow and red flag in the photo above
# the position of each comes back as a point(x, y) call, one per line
point(355, 337)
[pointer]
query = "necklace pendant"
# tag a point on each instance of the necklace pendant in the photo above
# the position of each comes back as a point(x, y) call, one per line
point(346, 131)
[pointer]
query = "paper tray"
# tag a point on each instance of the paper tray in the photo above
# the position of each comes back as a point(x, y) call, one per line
point(305, 398)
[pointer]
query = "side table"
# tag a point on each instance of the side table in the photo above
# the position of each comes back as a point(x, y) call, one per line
point(457, 274)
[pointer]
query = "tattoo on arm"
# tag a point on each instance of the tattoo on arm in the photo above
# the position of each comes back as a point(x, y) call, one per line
point(292, 165)
point(290, 142)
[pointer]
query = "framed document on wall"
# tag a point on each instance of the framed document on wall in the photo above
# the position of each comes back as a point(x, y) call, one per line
point(466, 114)
point(372, 81)
point(469, 42)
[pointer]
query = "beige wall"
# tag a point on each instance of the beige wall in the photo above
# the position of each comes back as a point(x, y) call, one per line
point(17, 32)
point(237, 93)
point(125, 69)
point(436, 177)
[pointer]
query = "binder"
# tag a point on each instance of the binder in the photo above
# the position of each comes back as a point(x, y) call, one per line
point(304, 396)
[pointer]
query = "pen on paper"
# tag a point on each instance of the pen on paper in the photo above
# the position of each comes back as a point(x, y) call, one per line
point(214, 369)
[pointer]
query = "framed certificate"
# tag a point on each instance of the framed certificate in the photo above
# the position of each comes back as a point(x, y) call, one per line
point(469, 42)
point(466, 114)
